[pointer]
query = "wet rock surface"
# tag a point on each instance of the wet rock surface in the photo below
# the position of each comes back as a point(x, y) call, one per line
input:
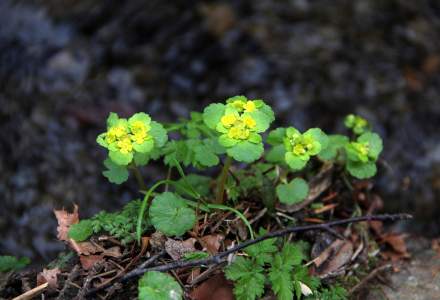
point(418, 279)
point(65, 64)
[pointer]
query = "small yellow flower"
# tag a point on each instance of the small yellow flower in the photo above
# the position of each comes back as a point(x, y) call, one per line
point(228, 120)
point(115, 133)
point(125, 145)
point(249, 122)
point(249, 106)
point(298, 149)
point(238, 104)
point(238, 133)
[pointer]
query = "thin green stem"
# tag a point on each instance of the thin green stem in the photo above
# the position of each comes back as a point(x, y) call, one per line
point(139, 178)
point(222, 180)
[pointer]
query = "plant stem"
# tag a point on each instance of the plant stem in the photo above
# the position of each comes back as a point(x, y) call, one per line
point(222, 180)
point(139, 178)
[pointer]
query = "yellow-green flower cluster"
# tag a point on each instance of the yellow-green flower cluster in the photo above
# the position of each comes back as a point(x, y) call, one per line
point(124, 138)
point(358, 124)
point(239, 123)
point(300, 147)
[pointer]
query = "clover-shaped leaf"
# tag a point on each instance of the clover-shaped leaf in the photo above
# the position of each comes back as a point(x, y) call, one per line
point(293, 192)
point(159, 286)
point(115, 173)
point(171, 215)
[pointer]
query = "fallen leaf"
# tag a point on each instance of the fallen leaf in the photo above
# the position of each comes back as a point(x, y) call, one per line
point(212, 242)
point(84, 248)
point(176, 249)
point(113, 252)
point(215, 288)
point(239, 228)
point(49, 276)
point(65, 220)
point(397, 243)
point(334, 257)
point(87, 261)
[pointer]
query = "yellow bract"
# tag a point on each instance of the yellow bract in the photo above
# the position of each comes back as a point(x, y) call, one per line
point(125, 145)
point(299, 149)
point(361, 148)
point(238, 126)
point(249, 106)
point(115, 133)
point(139, 132)
point(228, 120)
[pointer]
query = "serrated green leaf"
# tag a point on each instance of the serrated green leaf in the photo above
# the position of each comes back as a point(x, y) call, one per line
point(319, 136)
point(81, 231)
point(159, 286)
point(293, 192)
point(246, 151)
point(11, 263)
point(212, 114)
point(262, 251)
point(281, 279)
point(171, 215)
point(262, 120)
point(145, 147)
point(115, 173)
point(292, 254)
point(335, 144)
point(361, 170)
point(248, 279)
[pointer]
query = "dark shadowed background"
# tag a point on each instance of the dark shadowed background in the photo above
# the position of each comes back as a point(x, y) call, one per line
point(64, 64)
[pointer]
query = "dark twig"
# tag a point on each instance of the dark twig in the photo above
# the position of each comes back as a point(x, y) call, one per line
point(220, 257)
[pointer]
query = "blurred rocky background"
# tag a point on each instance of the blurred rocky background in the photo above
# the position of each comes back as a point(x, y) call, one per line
point(64, 64)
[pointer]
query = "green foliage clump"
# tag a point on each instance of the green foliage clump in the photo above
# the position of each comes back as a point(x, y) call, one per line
point(121, 225)
point(356, 123)
point(11, 263)
point(281, 269)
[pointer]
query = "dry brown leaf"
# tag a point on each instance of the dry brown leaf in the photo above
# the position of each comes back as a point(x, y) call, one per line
point(397, 243)
point(84, 248)
point(176, 249)
point(212, 242)
point(215, 288)
point(87, 261)
point(65, 220)
point(49, 276)
point(113, 252)
point(334, 257)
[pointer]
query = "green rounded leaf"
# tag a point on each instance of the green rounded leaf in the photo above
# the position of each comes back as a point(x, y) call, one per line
point(171, 215)
point(120, 158)
point(101, 140)
point(319, 136)
point(158, 133)
point(81, 231)
point(145, 147)
point(141, 159)
point(262, 120)
point(159, 286)
point(336, 143)
point(115, 173)
point(293, 192)
point(226, 141)
point(246, 151)
point(296, 163)
point(112, 119)
point(143, 117)
point(276, 137)
point(374, 142)
point(205, 156)
point(276, 154)
point(212, 114)
point(361, 170)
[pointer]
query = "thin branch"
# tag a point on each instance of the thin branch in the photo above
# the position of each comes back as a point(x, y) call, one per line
point(220, 257)
point(370, 276)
